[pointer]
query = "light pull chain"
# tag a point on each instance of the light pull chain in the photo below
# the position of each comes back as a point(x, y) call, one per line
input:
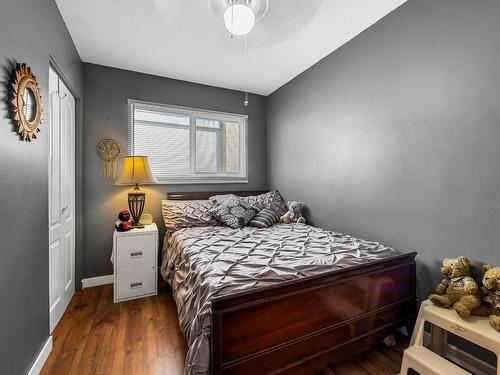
point(245, 102)
point(232, 18)
point(245, 76)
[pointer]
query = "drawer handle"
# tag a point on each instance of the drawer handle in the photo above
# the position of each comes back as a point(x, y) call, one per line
point(136, 285)
point(136, 254)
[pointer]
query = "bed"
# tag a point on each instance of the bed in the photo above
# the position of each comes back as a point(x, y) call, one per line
point(285, 299)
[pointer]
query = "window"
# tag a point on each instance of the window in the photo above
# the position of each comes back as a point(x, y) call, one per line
point(187, 145)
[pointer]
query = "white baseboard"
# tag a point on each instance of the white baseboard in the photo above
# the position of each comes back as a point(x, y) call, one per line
point(41, 358)
point(96, 281)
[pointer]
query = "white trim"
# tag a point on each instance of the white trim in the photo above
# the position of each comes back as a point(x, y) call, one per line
point(96, 281)
point(41, 358)
point(464, 359)
point(183, 181)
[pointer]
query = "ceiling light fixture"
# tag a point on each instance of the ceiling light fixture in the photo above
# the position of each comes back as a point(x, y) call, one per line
point(239, 18)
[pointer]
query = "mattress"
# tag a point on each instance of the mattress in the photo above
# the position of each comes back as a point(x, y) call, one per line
point(203, 262)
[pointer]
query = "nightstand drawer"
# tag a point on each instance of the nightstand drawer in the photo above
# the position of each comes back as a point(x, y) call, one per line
point(136, 250)
point(135, 281)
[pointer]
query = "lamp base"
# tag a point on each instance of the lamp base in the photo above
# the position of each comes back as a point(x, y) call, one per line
point(136, 201)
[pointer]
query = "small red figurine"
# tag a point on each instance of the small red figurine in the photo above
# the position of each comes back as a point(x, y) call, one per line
point(124, 223)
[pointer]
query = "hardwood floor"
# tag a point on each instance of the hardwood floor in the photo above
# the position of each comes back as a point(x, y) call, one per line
point(96, 336)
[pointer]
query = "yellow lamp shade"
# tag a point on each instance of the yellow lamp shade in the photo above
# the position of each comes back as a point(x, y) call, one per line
point(135, 171)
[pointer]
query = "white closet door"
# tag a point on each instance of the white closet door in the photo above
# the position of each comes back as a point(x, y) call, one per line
point(61, 198)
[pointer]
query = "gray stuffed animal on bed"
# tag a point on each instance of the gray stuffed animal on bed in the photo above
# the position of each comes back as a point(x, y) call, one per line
point(294, 214)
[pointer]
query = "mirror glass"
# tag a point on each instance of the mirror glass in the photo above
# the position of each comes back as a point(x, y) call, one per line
point(29, 108)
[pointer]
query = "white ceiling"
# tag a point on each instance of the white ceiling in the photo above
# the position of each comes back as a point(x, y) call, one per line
point(182, 39)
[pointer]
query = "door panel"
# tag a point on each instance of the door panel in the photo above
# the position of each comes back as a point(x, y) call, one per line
point(69, 261)
point(55, 265)
point(61, 197)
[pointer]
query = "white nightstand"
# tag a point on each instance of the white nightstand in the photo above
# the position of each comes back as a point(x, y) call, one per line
point(135, 262)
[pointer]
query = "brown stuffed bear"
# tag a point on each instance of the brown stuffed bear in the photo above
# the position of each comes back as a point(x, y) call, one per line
point(491, 296)
point(457, 289)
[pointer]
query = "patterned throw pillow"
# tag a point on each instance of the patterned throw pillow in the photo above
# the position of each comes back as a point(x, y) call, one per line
point(186, 214)
point(271, 199)
point(265, 218)
point(233, 212)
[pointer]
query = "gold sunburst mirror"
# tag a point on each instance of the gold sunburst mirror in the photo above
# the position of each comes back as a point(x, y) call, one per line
point(26, 103)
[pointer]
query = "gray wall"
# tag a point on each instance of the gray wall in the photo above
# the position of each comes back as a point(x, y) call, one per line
point(105, 115)
point(395, 137)
point(30, 31)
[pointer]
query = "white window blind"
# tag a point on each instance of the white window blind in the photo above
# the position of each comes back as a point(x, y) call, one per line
point(186, 145)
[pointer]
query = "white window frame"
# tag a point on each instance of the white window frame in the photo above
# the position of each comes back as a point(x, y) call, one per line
point(197, 177)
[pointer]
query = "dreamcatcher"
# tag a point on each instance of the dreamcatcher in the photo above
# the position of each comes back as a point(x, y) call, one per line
point(108, 150)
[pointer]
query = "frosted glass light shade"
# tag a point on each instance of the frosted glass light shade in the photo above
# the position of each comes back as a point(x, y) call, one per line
point(239, 19)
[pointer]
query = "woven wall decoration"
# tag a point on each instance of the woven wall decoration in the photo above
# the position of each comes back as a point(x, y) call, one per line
point(108, 150)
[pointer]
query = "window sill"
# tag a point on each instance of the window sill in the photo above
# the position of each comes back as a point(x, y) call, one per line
point(201, 181)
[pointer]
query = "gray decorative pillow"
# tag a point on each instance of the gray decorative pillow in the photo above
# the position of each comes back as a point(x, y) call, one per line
point(233, 212)
point(186, 214)
point(271, 199)
point(265, 218)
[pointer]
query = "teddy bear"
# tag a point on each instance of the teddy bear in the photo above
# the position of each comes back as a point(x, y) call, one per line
point(124, 223)
point(294, 214)
point(457, 289)
point(490, 292)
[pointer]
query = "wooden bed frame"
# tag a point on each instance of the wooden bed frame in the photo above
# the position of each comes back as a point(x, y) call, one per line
point(299, 326)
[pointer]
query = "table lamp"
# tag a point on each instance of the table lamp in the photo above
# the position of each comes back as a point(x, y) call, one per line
point(135, 171)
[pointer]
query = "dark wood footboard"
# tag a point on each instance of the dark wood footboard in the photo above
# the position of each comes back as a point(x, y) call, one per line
point(299, 326)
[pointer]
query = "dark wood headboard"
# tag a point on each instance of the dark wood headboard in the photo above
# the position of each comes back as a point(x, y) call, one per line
point(193, 195)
